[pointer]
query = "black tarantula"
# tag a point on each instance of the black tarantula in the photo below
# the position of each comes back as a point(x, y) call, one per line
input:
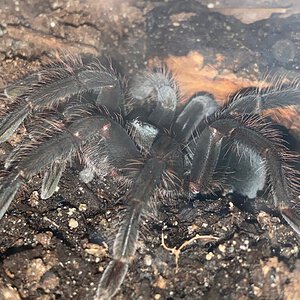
point(143, 134)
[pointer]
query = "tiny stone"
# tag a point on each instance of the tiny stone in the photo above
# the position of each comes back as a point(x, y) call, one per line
point(96, 250)
point(56, 4)
point(157, 296)
point(71, 211)
point(222, 248)
point(101, 269)
point(257, 291)
point(243, 247)
point(44, 238)
point(209, 256)
point(82, 207)
point(36, 269)
point(148, 260)
point(34, 199)
point(73, 223)
point(192, 228)
point(86, 175)
point(160, 282)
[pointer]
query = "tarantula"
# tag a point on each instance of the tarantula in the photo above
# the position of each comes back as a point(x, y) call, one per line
point(140, 132)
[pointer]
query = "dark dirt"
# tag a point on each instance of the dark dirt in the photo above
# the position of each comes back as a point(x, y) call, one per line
point(57, 248)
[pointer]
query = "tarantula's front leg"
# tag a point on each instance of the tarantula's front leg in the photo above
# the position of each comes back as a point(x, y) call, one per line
point(124, 246)
point(51, 178)
point(57, 150)
point(193, 114)
point(61, 82)
point(252, 135)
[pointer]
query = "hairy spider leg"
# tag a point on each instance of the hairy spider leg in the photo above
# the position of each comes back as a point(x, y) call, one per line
point(255, 100)
point(249, 175)
point(57, 87)
point(242, 131)
point(166, 157)
point(194, 112)
point(205, 159)
point(124, 246)
point(59, 149)
point(52, 177)
point(111, 97)
point(114, 149)
point(163, 167)
point(8, 190)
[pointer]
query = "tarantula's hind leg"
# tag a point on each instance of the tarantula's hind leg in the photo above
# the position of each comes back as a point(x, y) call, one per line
point(254, 135)
point(253, 100)
point(244, 169)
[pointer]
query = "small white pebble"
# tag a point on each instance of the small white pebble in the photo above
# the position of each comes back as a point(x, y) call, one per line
point(73, 223)
point(222, 248)
point(82, 207)
point(210, 5)
point(243, 247)
point(101, 269)
point(71, 211)
point(148, 260)
point(209, 256)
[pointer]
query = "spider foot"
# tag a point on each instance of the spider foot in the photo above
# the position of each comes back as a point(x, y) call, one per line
point(8, 189)
point(111, 280)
